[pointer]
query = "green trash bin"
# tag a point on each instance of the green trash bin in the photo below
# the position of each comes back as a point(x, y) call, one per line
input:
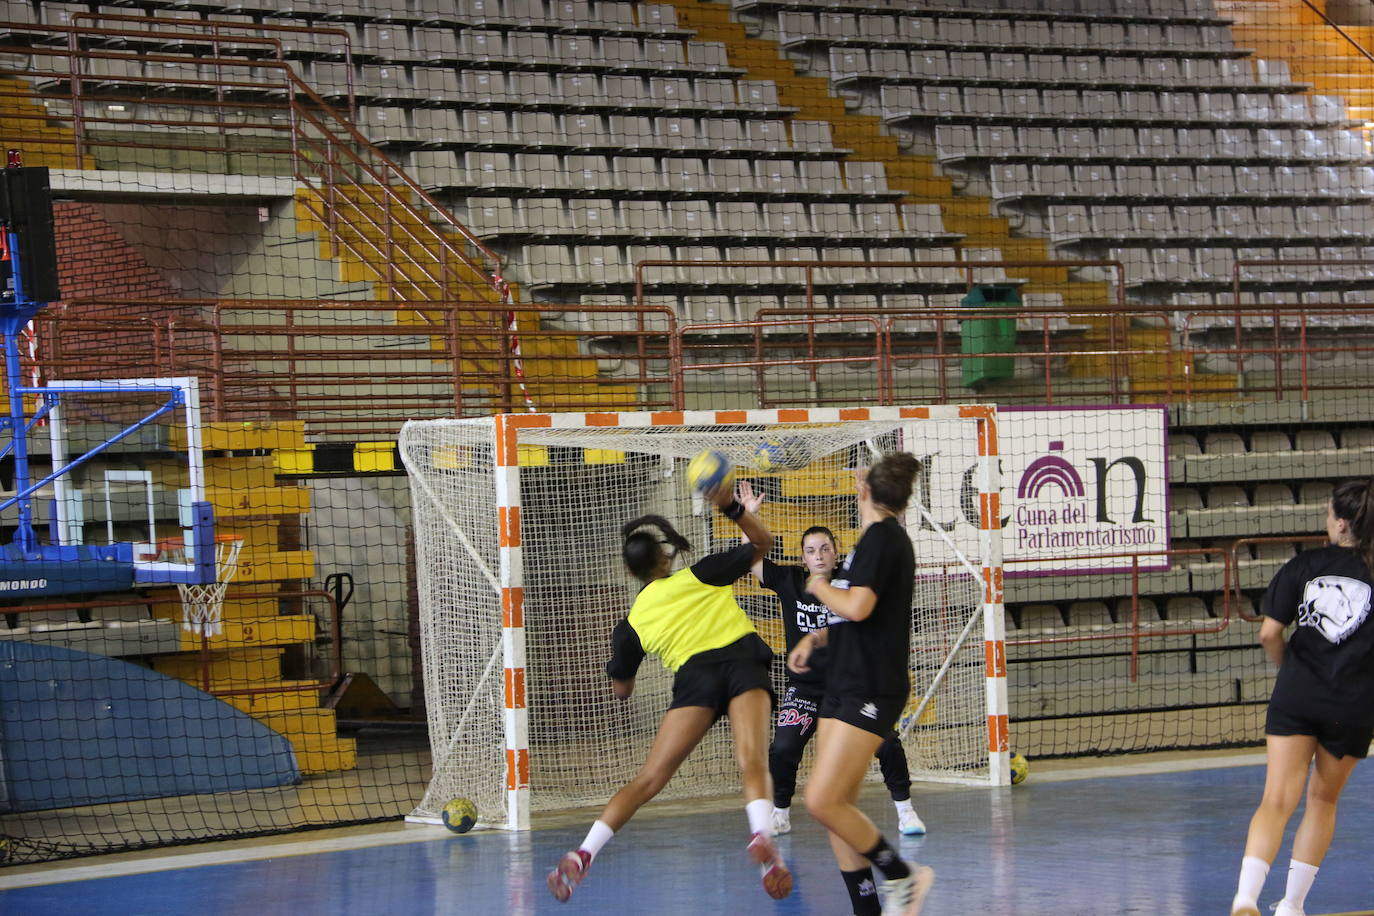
point(988, 335)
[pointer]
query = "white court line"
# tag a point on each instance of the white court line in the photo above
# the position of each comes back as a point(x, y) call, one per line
point(1124, 766)
point(64, 874)
point(390, 836)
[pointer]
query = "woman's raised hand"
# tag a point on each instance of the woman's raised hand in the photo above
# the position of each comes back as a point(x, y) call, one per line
point(748, 498)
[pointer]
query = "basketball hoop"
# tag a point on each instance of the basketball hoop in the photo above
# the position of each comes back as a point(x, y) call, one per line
point(201, 604)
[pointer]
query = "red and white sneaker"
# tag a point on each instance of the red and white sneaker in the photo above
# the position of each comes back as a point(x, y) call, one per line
point(777, 878)
point(568, 874)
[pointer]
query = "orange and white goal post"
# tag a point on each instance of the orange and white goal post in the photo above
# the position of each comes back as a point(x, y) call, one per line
point(517, 528)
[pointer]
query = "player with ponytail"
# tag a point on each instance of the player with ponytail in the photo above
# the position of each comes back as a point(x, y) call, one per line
point(1321, 712)
point(795, 724)
point(691, 621)
point(867, 684)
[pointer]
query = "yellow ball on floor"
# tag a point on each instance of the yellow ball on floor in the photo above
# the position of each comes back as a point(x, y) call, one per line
point(1020, 769)
point(460, 815)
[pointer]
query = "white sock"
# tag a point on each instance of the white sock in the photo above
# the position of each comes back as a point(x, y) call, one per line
point(597, 837)
point(1253, 871)
point(903, 806)
point(1300, 878)
point(760, 812)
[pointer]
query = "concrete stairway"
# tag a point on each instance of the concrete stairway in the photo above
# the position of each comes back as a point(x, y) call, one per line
point(1317, 54)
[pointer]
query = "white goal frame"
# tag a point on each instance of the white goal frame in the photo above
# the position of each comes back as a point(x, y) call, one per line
point(507, 578)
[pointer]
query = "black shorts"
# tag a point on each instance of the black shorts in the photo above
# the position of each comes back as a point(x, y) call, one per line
point(1342, 739)
point(873, 714)
point(712, 679)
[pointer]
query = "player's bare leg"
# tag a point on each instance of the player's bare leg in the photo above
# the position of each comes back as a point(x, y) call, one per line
point(749, 716)
point(680, 731)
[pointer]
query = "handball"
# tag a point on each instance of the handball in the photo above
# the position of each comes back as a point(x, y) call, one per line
point(709, 470)
point(779, 454)
point(1020, 769)
point(460, 815)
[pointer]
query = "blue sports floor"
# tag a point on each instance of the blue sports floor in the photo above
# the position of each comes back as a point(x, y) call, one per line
point(1071, 842)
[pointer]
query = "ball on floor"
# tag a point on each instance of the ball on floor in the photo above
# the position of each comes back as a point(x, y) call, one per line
point(460, 815)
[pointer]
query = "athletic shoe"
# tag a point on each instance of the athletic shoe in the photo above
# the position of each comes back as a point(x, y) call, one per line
point(1240, 906)
point(903, 896)
point(1285, 908)
point(777, 879)
point(568, 874)
point(910, 823)
point(782, 821)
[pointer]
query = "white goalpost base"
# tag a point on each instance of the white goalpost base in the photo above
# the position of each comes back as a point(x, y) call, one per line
point(517, 521)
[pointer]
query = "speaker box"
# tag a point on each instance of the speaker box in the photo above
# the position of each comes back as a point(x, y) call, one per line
point(26, 207)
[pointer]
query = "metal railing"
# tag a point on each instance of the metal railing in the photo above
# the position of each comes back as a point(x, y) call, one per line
point(346, 367)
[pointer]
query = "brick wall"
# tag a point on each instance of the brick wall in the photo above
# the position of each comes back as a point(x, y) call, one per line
point(94, 260)
point(91, 333)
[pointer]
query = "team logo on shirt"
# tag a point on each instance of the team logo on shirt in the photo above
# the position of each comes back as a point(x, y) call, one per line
point(812, 616)
point(1334, 606)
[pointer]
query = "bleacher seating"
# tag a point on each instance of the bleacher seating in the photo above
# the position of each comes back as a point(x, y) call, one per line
point(1145, 137)
point(1155, 141)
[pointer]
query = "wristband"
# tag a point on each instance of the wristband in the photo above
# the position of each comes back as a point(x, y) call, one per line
point(734, 510)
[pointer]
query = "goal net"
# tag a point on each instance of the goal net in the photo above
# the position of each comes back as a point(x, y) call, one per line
point(517, 521)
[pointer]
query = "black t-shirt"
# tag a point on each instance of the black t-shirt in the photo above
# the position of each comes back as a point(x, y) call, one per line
point(717, 569)
point(802, 612)
point(871, 657)
point(1328, 668)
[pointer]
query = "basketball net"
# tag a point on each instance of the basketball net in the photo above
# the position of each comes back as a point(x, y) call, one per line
point(201, 604)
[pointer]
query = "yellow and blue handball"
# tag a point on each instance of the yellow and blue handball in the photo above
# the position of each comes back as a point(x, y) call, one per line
point(779, 454)
point(460, 815)
point(1020, 769)
point(709, 470)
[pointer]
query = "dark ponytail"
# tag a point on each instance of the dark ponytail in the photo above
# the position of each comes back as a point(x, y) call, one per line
point(645, 538)
point(1353, 501)
point(890, 480)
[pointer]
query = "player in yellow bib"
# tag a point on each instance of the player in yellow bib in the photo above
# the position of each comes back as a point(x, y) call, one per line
point(691, 621)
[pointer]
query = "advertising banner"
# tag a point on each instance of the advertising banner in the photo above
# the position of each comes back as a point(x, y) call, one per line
point(1078, 485)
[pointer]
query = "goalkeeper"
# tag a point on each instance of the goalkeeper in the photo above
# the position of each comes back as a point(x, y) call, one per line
point(691, 621)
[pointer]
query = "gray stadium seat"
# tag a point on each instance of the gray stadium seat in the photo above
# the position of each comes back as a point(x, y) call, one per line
point(1040, 617)
point(1269, 440)
point(1357, 437)
point(1089, 614)
point(1274, 550)
point(1186, 607)
point(1181, 444)
point(1223, 443)
point(1146, 611)
point(1313, 440)
point(1314, 491)
point(1226, 496)
point(1274, 494)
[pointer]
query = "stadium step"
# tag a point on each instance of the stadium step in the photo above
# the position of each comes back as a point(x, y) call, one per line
point(25, 126)
point(313, 734)
point(290, 696)
point(365, 252)
point(1317, 54)
point(242, 464)
point(229, 668)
